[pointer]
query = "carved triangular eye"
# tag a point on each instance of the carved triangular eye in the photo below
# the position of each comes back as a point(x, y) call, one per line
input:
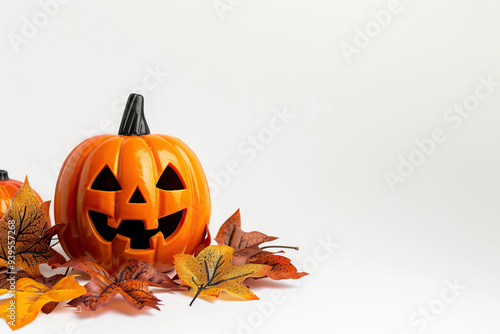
point(169, 180)
point(106, 181)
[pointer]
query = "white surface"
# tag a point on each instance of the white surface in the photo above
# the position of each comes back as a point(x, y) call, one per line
point(321, 176)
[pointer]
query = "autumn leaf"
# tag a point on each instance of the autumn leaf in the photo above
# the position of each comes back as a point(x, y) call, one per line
point(7, 279)
point(24, 241)
point(243, 256)
point(211, 271)
point(131, 280)
point(230, 234)
point(282, 267)
point(47, 281)
point(31, 296)
point(247, 249)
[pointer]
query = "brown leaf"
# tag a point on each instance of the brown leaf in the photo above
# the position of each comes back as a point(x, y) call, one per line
point(24, 241)
point(136, 292)
point(230, 234)
point(282, 267)
point(242, 256)
point(138, 270)
point(131, 280)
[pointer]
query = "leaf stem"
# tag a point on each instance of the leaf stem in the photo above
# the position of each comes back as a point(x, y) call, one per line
point(289, 247)
point(196, 295)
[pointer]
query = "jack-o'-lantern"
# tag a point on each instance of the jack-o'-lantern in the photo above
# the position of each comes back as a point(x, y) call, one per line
point(8, 189)
point(132, 195)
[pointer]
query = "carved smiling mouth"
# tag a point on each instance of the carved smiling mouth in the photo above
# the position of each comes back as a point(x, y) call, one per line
point(135, 229)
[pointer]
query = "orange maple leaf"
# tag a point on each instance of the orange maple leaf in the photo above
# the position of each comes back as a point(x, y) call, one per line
point(24, 241)
point(131, 280)
point(7, 278)
point(31, 296)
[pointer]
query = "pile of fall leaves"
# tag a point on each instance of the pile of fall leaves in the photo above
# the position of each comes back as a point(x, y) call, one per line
point(25, 243)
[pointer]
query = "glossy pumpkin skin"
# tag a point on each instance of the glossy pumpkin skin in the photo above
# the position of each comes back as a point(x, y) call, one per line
point(111, 200)
point(8, 189)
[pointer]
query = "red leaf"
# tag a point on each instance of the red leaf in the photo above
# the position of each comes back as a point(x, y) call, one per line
point(282, 267)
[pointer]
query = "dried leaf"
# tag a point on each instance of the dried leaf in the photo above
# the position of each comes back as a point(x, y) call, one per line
point(242, 256)
point(139, 270)
point(211, 271)
point(30, 297)
point(230, 234)
point(24, 241)
point(131, 280)
point(7, 279)
point(247, 250)
point(282, 267)
point(47, 281)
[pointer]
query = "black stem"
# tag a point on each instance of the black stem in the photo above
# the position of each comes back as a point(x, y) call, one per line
point(133, 120)
point(4, 176)
point(196, 295)
point(209, 279)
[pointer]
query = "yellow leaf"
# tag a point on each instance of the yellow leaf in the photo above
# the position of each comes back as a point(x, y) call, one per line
point(30, 297)
point(211, 271)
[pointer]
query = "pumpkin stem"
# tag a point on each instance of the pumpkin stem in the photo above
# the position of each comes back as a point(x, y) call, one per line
point(133, 120)
point(4, 176)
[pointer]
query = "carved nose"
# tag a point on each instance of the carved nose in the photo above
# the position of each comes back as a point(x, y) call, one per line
point(137, 197)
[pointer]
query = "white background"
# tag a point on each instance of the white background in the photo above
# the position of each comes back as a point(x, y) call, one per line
point(322, 177)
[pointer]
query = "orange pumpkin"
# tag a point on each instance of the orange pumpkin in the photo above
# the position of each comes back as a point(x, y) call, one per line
point(8, 189)
point(132, 195)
